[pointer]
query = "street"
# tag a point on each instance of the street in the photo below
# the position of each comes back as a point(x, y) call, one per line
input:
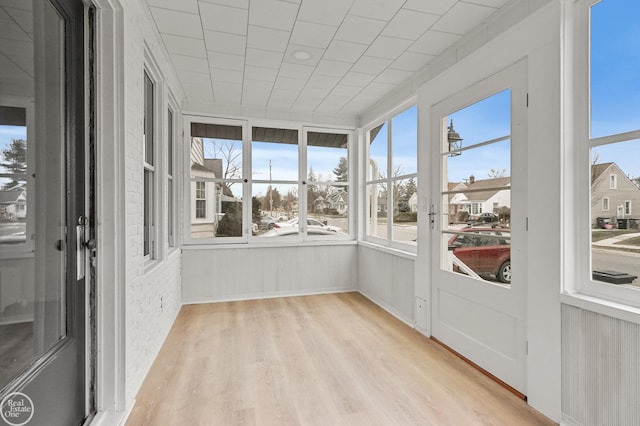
point(617, 261)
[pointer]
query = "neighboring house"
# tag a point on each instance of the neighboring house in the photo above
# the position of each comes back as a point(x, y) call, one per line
point(13, 204)
point(480, 196)
point(613, 194)
point(413, 202)
point(456, 200)
point(205, 198)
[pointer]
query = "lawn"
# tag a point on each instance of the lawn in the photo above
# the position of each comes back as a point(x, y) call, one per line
point(602, 234)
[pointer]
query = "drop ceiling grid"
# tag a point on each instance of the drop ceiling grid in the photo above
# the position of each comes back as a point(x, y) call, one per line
point(361, 49)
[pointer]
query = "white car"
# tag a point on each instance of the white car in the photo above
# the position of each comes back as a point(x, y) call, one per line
point(311, 224)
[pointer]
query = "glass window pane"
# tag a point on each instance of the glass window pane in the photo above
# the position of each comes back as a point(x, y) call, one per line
point(170, 142)
point(405, 211)
point(214, 214)
point(377, 210)
point(615, 248)
point(273, 207)
point(615, 61)
point(328, 207)
point(274, 154)
point(148, 120)
point(476, 193)
point(404, 142)
point(378, 149)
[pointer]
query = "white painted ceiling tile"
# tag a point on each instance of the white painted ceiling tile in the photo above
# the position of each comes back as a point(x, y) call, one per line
point(491, 3)
point(332, 68)
point(263, 58)
point(388, 47)
point(9, 30)
point(273, 14)
point(225, 42)
point(411, 61)
point(332, 104)
point(194, 77)
point(311, 92)
point(226, 61)
point(371, 65)
point(17, 4)
point(357, 29)
point(225, 19)
point(344, 51)
point(357, 79)
point(184, 46)
point(182, 62)
point(377, 9)
point(296, 71)
point(345, 90)
point(312, 34)
point(227, 76)
point(267, 39)
point(242, 4)
point(434, 42)
point(287, 83)
point(257, 86)
point(410, 24)
point(177, 23)
point(24, 18)
point(327, 12)
point(260, 74)
point(198, 92)
point(228, 87)
point(228, 97)
point(463, 17)
point(188, 6)
point(378, 89)
point(393, 76)
point(316, 54)
point(437, 7)
point(322, 82)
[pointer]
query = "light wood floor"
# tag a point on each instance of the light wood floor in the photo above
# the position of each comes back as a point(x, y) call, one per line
point(317, 360)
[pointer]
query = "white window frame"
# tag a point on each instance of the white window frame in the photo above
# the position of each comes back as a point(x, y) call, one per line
point(605, 204)
point(578, 143)
point(627, 208)
point(613, 181)
point(172, 172)
point(388, 180)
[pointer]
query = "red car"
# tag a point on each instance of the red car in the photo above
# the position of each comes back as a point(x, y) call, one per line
point(486, 251)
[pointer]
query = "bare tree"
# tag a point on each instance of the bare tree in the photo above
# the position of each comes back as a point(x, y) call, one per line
point(497, 173)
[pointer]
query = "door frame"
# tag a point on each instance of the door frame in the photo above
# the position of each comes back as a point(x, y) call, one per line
point(509, 365)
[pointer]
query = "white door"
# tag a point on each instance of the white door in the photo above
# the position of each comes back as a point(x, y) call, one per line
point(479, 260)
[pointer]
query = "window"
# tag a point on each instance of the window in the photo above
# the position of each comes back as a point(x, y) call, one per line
point(608, 138)
point(391, 181)
point(170, 185)
point(201, 200)
point(149, 167)
point(478, 242)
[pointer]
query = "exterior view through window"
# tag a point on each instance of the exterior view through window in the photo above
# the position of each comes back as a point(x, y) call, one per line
point(392, 185)
point(476, 191)
point(614, 142)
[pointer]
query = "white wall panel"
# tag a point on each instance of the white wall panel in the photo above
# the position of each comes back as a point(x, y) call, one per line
point(212, 274)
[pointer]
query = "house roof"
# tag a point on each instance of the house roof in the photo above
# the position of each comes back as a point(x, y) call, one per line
point(10, 197)
point(598, 169)
point(492, 186)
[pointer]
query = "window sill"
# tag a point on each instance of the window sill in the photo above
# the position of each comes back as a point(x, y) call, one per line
point(390, 250)
point(254, 245)
point(601, 306)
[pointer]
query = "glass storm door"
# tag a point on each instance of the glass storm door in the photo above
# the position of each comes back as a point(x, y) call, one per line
point(479, 193)
point(42, 213)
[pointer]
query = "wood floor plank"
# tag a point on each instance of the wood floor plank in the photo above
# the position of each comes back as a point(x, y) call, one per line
point(333, 359)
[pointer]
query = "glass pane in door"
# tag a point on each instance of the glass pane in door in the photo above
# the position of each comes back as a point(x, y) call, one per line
point(32, 190)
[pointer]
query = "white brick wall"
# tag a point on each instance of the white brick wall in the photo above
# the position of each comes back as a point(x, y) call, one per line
point(153, 295)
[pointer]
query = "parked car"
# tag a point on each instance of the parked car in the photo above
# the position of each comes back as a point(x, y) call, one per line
point(485, 250)
point(293, 231)
point(311, 224)
point(267, 222)
point(482, 218)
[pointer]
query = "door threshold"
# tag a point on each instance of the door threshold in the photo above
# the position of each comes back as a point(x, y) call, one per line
point(482, 370)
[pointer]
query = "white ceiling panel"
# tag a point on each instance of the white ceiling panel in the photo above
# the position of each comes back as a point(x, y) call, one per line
point(388, 47)
point(409, 24)
point(267, 39)
point(188, 6)
point(463, 17)
point(344, 51)
point(226, 61)
point(177, 23)
point(300, 55)
point(225, 42)
point(377, 9)
point(274, 14)
point(263, 58)
point(357, 29)
point(328, 12)
point(184, 46)
point(437, 7)
point(24, 18)
point(312, 34)
point(18, 4)
point(225, 19)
